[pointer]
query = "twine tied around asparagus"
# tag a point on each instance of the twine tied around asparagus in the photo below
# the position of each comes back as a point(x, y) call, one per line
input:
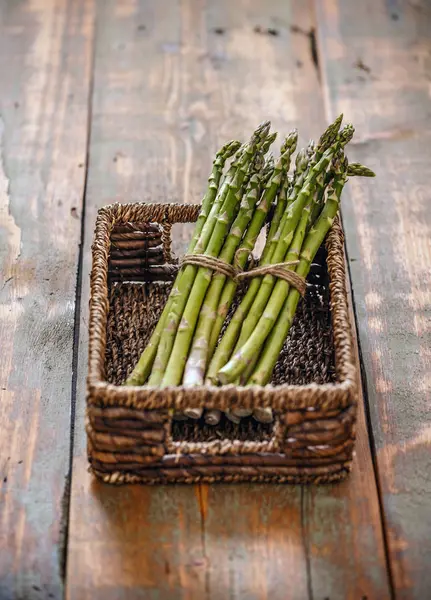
point(235, 272)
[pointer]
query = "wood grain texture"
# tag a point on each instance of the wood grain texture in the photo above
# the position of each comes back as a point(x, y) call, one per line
point(376, 58)
point(170, 86)
point(45, 51)
point(341, 526)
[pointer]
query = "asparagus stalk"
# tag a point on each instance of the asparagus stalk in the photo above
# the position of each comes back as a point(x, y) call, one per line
point(267, 143)
point(270, 301)
point(319, 196)
point(328, 137)
point(287, 149)
point(268, 170)
point(272, 185)
point(142, 370)
point(179, 331)
point(196, 364)
point(301, 165)
point(314, 155)
point(258, 162)
point(223, 353)
point(264, 414)
point(244, 251)
point(312, 243)
point(249, 313)
point(310, 148)
point(310, 154)
point(179, 293)
point(353, 170)
point(299, 176)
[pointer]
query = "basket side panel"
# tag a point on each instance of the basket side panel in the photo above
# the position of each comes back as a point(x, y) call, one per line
point(324, 434)
point(120, 215)
point(342, 330)
point(119, 436)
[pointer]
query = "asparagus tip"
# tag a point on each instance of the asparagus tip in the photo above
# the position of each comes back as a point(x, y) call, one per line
point(329, 135)
point(301, 160)
point(346, 134)
point(267, 142)
point(261, 132)
point(290, 142)
point(230, 148)
point(310, 148)
point(358, 170)
point(339, 120)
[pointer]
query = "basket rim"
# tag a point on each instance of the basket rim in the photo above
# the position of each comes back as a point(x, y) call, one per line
point(281, 397)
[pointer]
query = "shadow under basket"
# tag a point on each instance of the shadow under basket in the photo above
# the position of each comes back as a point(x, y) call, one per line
point(132, 437)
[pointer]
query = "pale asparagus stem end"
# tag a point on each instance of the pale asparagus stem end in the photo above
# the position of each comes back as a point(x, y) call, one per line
point(212, 417)
point(242, 412)
point(232, 417)
point(263, 415)
point(193, 413)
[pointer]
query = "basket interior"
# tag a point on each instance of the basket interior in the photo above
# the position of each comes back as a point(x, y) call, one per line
point(307, 356)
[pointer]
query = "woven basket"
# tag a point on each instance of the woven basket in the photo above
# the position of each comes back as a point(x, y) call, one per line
point(131, 435)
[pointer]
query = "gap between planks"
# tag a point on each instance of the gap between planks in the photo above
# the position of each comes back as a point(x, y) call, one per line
point(65, 514)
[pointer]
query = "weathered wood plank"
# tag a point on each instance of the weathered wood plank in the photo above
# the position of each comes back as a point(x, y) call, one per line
point(376, 67)
point(331, 519)
point(170, 85)
point(253, 542)
point(45, 58)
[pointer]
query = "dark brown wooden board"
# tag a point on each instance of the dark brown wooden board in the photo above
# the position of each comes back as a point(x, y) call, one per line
point(376, 65)
point(170, 85)
point(339, 568)
point(45, 67)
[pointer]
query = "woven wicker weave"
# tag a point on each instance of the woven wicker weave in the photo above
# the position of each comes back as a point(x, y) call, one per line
point(131, 436)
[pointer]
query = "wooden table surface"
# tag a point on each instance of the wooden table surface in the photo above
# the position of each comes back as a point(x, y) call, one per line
point(127, 100)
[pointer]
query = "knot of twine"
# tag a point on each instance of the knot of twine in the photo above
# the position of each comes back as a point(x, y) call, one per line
point(279, 270)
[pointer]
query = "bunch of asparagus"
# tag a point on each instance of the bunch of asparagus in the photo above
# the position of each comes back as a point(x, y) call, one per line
point(185, 347)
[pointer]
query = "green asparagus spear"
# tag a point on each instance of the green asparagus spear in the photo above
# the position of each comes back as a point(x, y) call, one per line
point(248, 313)
point(229, 290)
point(278, 238)
point(179, 330)
point(259, 323)
point(312, 243)
point(142, 370)
point(250, 237)
point(196, 364)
